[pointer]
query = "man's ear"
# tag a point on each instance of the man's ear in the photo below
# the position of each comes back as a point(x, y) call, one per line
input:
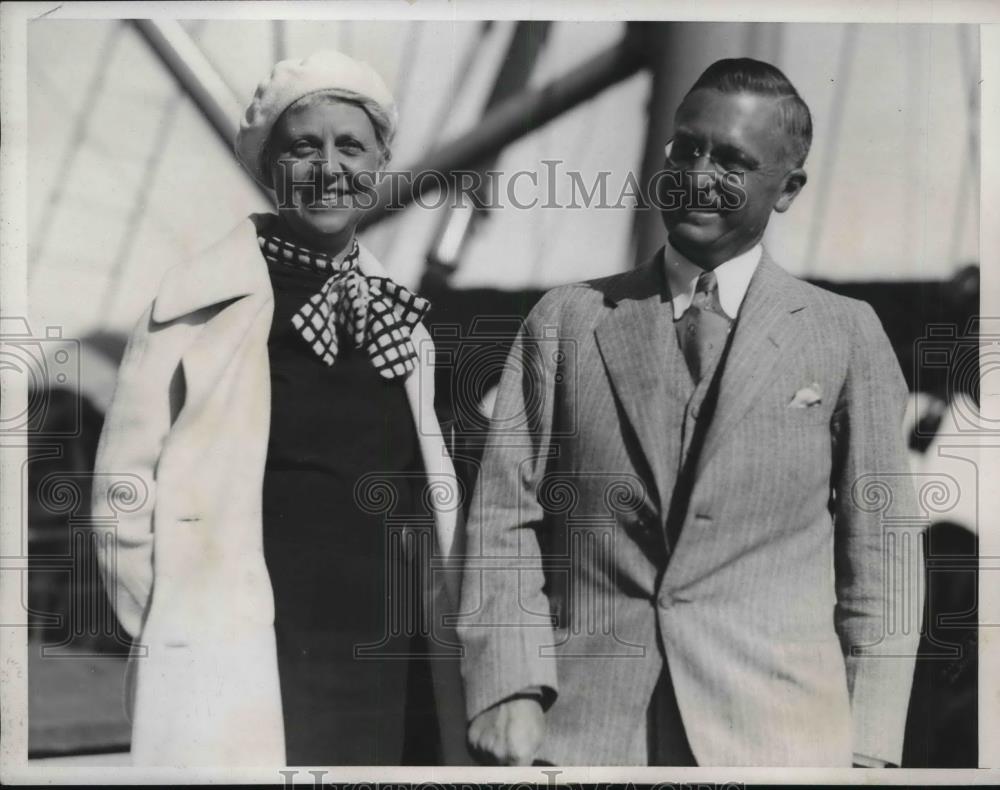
point(791, 185)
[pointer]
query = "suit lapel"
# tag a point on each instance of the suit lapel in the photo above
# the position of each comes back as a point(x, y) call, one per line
point(646, 368)
point(766, 333)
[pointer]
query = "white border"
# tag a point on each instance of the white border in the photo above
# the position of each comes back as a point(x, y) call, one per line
point(989, 506)
point(868, 11)
point(13, 400)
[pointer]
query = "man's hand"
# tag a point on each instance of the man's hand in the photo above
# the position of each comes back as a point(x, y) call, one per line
point(509, 733)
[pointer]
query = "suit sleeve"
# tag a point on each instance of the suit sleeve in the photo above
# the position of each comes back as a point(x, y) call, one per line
point(506, 626)
point(124, 490)
point(877, 542)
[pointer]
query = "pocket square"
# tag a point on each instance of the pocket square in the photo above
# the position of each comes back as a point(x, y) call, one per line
point(806, 397)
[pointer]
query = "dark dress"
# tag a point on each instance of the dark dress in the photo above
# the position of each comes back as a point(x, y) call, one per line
point(329, 561)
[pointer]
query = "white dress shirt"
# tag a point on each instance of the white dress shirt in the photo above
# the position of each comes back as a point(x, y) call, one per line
point(733, 277)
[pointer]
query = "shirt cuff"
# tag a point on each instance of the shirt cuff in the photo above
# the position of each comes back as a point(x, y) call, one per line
point(543, 695)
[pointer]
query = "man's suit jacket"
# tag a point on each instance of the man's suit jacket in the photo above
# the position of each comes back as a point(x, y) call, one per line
point(780, 578)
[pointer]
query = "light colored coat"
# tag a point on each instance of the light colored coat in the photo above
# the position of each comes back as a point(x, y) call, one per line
point(783, 571)
point(187, 432)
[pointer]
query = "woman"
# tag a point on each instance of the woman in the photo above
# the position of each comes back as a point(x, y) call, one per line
point(269, 398)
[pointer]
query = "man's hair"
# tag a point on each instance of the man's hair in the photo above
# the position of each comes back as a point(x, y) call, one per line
point(746, 75)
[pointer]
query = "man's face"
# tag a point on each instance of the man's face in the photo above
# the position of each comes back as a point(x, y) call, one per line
point(733, 159)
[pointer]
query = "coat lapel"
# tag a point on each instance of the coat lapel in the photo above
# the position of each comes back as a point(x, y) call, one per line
point(229, 269)
point(646, 368)
point(229, 278)
point(766, 333)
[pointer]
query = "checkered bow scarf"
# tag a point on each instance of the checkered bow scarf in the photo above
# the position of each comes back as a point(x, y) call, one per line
point(376, 313)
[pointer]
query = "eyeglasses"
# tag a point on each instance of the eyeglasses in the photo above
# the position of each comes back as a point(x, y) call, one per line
point(728, 161)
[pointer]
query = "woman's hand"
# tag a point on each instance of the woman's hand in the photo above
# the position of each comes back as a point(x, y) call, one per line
point(509, 733)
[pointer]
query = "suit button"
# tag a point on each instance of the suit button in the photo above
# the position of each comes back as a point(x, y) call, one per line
point(665, 601)
point(694, 412)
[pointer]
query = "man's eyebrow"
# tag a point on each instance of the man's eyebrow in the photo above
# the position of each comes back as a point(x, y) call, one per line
point(733, 148)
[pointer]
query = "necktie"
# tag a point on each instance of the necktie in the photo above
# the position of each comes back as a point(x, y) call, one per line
point(376, 313)
point(703, 327)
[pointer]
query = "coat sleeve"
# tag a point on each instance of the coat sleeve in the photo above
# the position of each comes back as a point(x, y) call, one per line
point(505, 627)
point(877, 542)
point(124, 490)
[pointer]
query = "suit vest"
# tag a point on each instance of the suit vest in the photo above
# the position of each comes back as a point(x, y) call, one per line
point(698, 412)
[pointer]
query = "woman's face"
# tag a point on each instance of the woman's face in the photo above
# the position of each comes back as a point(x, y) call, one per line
point(317, 152)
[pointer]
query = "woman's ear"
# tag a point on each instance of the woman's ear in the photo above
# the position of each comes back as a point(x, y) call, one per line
point(791, 185)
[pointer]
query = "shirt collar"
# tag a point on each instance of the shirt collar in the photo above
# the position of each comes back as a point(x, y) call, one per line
point(733, 277)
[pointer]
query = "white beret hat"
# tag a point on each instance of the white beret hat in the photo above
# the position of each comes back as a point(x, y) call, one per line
point(290, 81)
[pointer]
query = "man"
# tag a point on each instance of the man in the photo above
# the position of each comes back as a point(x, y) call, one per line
point(677, 547)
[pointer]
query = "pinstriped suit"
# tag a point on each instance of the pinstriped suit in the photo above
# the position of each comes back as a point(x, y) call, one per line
point(623, 514)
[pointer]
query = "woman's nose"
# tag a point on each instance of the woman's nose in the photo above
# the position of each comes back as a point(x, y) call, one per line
point(330, 166)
